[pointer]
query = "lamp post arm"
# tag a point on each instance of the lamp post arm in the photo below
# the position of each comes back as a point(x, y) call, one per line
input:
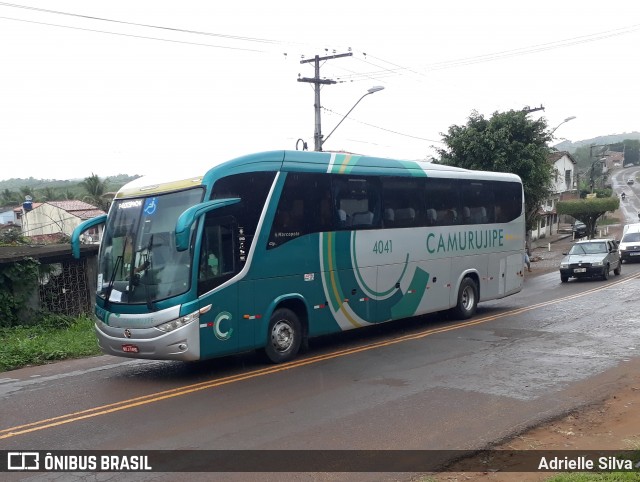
point(563, 122)
point(342, 120)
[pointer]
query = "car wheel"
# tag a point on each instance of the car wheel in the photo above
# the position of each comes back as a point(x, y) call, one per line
point(467, 300)
point(284, 336)
point(605, 273)
point(618, 270)
point(564, 279)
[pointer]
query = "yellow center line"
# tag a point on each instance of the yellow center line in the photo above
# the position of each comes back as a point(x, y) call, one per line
point(178, 392)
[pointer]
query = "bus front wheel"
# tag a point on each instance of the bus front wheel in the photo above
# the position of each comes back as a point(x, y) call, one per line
point(284, 336)
point(467, 299)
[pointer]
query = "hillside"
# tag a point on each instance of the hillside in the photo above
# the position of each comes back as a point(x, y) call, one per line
point(609, 139)
point(15, 184)
point(12, 191)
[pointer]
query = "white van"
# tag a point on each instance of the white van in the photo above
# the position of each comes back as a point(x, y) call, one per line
point(629, 246)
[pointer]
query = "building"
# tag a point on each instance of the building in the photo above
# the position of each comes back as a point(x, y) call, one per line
point(52, 220)
point(564, 186)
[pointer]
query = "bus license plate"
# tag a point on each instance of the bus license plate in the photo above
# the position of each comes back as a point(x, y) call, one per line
point(130, 349)
point(580, 270)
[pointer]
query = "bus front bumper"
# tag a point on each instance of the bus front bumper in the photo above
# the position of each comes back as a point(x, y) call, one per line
point(151, 343)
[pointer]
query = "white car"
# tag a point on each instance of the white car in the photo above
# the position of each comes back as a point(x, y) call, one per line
point(630, 181)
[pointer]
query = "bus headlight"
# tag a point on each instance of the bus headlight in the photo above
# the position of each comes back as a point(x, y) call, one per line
point(179, 322)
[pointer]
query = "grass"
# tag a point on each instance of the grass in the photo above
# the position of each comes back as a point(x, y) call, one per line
point(608, 220)
point(37, 345)
point(597, 477)
point(628, 476)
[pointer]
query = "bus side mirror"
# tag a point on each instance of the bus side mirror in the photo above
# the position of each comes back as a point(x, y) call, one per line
point(188, 218)
point(81, 228)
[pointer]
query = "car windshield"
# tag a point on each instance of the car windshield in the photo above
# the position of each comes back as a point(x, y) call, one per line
point(631, 238)
point(589, 248)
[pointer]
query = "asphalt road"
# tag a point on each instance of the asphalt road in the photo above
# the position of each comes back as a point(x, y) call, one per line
point(425, 383)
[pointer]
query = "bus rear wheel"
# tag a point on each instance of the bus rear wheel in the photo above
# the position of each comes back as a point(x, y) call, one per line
point(467, 299)
point(284, 336)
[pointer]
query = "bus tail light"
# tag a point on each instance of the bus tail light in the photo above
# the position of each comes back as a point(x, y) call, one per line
point(179, 322)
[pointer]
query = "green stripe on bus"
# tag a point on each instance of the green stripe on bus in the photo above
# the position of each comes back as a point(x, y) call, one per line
point(408, 305)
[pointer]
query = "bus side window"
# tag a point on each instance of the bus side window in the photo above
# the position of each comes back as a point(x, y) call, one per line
point(217, 254)
point(508, 201)
point(403, 202)
point(357, 201)
point(305, 206)
point(442, 198)
point(476, 196)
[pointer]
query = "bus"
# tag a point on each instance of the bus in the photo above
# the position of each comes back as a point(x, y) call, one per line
point(271, 249)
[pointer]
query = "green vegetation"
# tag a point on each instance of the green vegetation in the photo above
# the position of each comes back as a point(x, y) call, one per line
point(588, 210)
point(507, 142)
point(32, 337)
point(608, 221)
point(18, 281)
point(55, 337)
point(592, 477)
point(13, 191)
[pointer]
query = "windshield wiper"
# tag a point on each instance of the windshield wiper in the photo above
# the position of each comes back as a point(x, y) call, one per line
point(147, 294)
point(111, 282)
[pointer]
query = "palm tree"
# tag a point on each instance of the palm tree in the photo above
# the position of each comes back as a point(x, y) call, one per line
point(25, 191)
point(95, 187)
point(48, 194)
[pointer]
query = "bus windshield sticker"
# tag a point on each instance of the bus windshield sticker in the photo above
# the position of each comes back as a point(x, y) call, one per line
point(150, 205)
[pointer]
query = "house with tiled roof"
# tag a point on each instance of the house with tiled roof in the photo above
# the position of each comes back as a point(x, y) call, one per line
point(613, 159)
point(564, 186)
point(53, 219)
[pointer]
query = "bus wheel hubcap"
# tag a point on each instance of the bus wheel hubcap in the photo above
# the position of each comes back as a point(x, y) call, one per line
point(467, 298)
point(282, 336)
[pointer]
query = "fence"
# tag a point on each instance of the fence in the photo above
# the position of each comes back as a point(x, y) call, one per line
point(65, 285)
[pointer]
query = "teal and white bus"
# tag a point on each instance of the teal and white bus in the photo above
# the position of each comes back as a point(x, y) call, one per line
point(268, 250)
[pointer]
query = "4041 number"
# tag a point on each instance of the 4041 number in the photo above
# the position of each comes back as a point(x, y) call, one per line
point(383, 247)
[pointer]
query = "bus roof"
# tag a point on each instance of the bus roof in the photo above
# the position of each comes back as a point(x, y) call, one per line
point(304, 161)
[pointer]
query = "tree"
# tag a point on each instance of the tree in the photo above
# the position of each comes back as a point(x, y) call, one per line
point(48, 194)
point(26, 191)
point(632, 151)
point(8, 197)
point(508, 142)
point(95, 187)
point(588, 210)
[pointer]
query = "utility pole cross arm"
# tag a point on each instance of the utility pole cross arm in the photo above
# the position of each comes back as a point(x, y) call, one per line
point(317, 81)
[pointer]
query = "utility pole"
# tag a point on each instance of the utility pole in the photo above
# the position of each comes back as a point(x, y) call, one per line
point(592, 177)
point(317, 81)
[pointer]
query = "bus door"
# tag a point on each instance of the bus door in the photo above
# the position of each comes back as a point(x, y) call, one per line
point(219, 261)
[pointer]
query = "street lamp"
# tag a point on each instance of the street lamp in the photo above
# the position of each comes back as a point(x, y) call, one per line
point(566, 120)
point(372, 90)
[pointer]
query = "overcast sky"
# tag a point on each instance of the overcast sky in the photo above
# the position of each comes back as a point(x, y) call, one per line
point(141, 87)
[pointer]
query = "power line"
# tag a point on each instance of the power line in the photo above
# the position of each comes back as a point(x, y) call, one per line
point(133, 36)
point(383, 73)
point(383, 129)
point(124, 22)
point(447, 64)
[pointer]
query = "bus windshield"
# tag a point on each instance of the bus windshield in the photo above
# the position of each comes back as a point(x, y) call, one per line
point(139, 262)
